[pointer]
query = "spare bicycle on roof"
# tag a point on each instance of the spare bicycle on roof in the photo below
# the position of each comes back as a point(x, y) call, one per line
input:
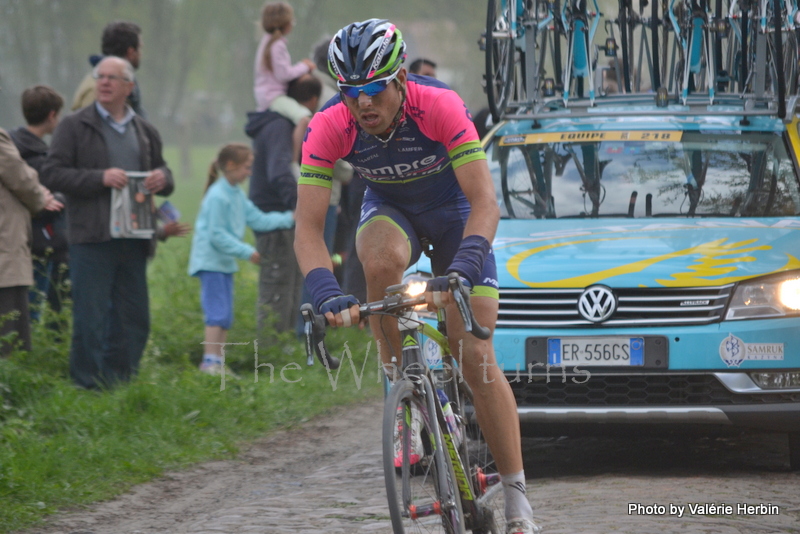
point(687, 56)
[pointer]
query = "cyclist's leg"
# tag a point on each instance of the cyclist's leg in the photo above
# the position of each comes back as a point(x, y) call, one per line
point(386, 245)
point(495, 406)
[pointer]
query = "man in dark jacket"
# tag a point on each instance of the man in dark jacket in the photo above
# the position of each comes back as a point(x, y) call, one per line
point(90, 153)
point(273, 187)
point(41, 106)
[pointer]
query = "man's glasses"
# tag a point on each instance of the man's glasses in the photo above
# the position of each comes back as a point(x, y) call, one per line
point(369, 89)
point(110, 77)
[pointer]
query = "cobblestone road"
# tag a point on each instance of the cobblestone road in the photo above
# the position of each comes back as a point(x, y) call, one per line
point(326, 477)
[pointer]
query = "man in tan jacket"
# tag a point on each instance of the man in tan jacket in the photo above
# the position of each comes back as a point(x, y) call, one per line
point(120, 39)
point(21, 196)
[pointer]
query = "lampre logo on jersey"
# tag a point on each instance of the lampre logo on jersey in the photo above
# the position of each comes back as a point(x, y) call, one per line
point(415, 169)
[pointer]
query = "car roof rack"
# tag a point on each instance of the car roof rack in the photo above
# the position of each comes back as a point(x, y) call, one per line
point(632, 105)
point(709, 57)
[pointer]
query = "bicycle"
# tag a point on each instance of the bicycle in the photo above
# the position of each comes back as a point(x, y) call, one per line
point(454, 487)
point(516, 51)
point(504, 34)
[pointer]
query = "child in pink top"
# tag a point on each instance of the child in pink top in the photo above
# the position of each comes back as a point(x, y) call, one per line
point(274, 70)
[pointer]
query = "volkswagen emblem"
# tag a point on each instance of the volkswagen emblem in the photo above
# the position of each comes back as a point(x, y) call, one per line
point(597, 303)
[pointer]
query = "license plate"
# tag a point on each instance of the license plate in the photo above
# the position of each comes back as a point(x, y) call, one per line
point(587, 351)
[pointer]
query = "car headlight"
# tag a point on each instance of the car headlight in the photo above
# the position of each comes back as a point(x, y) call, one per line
point(776, 296)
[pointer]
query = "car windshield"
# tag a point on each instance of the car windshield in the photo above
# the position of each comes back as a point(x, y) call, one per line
point(643, 174)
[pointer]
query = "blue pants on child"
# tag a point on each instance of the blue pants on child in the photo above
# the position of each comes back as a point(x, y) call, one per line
point(216, 297)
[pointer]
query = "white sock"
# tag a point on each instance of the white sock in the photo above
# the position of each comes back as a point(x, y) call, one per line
point(212, 358)
point(517, 505)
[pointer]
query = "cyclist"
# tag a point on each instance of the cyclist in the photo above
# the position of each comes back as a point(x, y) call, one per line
point(413, 141)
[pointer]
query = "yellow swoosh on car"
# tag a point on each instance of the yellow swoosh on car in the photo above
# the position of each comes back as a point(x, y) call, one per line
point(709, 260)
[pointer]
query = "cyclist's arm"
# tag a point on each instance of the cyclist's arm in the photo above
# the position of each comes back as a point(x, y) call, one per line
point(321, 148)
point(309, 241)
point(476, 183)
point(324, 144)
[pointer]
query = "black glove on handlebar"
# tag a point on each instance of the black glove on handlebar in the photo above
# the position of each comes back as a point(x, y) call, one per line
point(338, 304)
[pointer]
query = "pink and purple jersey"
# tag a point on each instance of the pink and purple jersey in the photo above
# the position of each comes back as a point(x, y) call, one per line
point(415, 169)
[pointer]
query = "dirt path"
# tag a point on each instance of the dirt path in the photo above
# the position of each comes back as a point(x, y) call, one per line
point(326, 477)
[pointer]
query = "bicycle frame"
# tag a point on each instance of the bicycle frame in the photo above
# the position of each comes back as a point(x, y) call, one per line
point(412, 330)
point(580, 36)
point(695, 42)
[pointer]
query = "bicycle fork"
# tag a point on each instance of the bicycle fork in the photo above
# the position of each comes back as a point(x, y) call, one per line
point(580, 35)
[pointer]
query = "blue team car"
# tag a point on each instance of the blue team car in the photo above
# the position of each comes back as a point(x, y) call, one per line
point(649, 271)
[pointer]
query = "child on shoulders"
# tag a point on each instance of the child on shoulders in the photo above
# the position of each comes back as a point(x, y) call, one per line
point(274, 70)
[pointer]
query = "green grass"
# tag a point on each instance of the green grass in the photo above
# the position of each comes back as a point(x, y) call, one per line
point(190, 178)
point(62, 447)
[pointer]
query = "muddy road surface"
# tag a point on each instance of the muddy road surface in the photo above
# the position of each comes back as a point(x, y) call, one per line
point(326, 476)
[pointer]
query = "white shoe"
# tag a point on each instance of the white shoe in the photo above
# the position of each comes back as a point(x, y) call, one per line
point(211, 367)
point(416, 452)
point(522, 526)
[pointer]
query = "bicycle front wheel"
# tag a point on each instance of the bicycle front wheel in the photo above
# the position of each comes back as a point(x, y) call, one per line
point(420, 482)
point(500, 43)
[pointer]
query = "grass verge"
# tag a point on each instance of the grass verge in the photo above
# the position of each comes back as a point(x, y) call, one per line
point(62, 447)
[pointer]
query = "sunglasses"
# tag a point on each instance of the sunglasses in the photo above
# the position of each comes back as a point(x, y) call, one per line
point(369, 89)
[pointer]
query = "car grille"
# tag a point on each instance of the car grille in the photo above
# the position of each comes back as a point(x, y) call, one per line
point(532, 308)
point(634, 390)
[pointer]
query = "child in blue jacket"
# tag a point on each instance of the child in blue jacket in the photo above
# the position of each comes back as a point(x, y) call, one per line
point(224, 214)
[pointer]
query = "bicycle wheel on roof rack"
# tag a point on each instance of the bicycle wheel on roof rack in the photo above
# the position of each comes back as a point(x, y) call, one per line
point(500, 49)
point(625, 8)
point(786, 74)
point(791, 61)
point(782, 53)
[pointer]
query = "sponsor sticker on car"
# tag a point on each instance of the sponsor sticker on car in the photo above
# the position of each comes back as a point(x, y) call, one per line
point(592, 137)
point(734, 351)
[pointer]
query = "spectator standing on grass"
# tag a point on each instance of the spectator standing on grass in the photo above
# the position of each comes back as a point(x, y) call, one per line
point(274, 70)
point(41, 106)
point(274, 188)
point(89, 155)
point(423, 67)
point(120, 39)
point(217, 244)
point(21, 195)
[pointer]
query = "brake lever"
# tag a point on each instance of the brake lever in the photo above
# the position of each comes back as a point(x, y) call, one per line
point(461, 296)
point(314, 331)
